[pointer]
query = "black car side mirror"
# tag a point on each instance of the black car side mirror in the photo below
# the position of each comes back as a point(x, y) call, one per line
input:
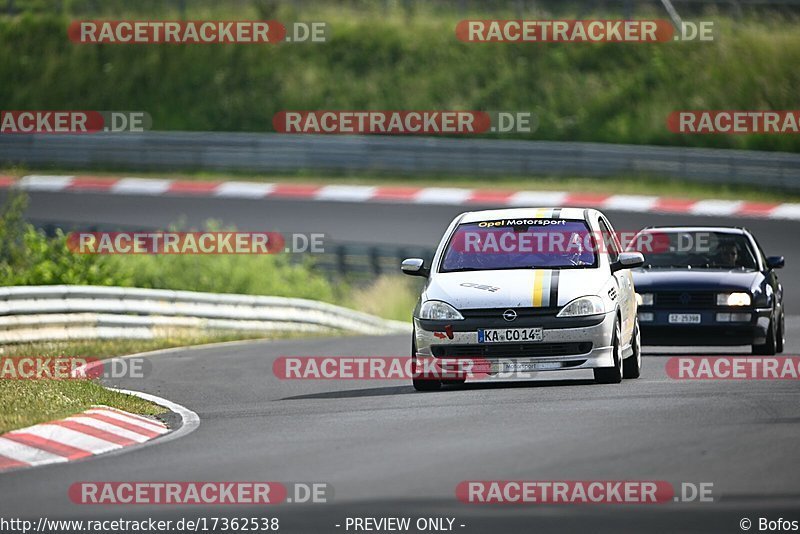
point(414, 267)
point(775, 262)
point(627, 260)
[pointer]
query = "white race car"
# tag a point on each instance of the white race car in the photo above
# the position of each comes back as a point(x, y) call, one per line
point(526, 290)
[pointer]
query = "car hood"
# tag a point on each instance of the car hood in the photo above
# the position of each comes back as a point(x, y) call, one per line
point(515, 288)
point(688, 279)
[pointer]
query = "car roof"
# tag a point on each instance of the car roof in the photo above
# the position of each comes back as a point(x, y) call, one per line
point(529, 213)
point(734, 230)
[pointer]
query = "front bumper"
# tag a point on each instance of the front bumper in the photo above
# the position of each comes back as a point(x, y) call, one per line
point(656, 329)
point(563, 345)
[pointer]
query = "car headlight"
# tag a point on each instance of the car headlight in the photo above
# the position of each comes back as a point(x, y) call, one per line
point(591, 305)
point(733, 299)
point(439, 311)
point(644, 299)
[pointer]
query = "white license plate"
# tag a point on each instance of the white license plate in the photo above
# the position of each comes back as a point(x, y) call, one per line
point(684, 318)
point(506, 335)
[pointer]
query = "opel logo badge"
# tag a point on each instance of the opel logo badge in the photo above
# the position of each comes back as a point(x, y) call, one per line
point(509, 315)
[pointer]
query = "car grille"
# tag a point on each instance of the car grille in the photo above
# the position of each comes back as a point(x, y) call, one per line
point(511, 350)
point(494, 313)
point(685, 299)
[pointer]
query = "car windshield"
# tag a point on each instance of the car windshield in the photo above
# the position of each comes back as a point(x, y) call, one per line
point(699, 249)
point(520, 244)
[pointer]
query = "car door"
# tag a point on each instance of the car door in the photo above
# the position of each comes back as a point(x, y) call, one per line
point(770, 277)
point(627, 300)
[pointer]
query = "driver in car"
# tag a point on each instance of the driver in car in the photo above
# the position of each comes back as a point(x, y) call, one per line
point(727, 255)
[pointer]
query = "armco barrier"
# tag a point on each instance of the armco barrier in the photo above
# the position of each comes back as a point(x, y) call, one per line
point(39, 313)
point(267, 152)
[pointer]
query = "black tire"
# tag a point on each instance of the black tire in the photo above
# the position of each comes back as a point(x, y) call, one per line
point(632, 365)
point(780, 337)
point(427, 384)
point(612, 375)
point(422, 383)
point(769, 347)
point(454, 381)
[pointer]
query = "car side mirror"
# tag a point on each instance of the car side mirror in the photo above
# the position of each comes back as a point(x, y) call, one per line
point(627, 260)
point(414, 267)
point(775, 262)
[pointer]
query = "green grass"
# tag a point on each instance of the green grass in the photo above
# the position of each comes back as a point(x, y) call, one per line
point(389, 296)
point(29, 402)
point(611, 92)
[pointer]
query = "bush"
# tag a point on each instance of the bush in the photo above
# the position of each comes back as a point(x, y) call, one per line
point(250, 275)
point(29, 257)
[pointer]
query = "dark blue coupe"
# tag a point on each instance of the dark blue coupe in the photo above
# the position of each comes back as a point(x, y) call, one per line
point(708, 286)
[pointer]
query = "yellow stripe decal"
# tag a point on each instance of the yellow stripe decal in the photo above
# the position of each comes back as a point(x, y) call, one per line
point(538, 280)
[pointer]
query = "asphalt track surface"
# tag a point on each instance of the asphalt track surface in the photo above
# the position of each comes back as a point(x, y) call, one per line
point(389, 451)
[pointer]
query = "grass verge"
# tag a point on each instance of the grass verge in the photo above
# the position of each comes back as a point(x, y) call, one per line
point(30, 402)
point(389, 296)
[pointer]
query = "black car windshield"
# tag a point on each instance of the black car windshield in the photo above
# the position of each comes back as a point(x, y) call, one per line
point(520, 244)
point(696, 249)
